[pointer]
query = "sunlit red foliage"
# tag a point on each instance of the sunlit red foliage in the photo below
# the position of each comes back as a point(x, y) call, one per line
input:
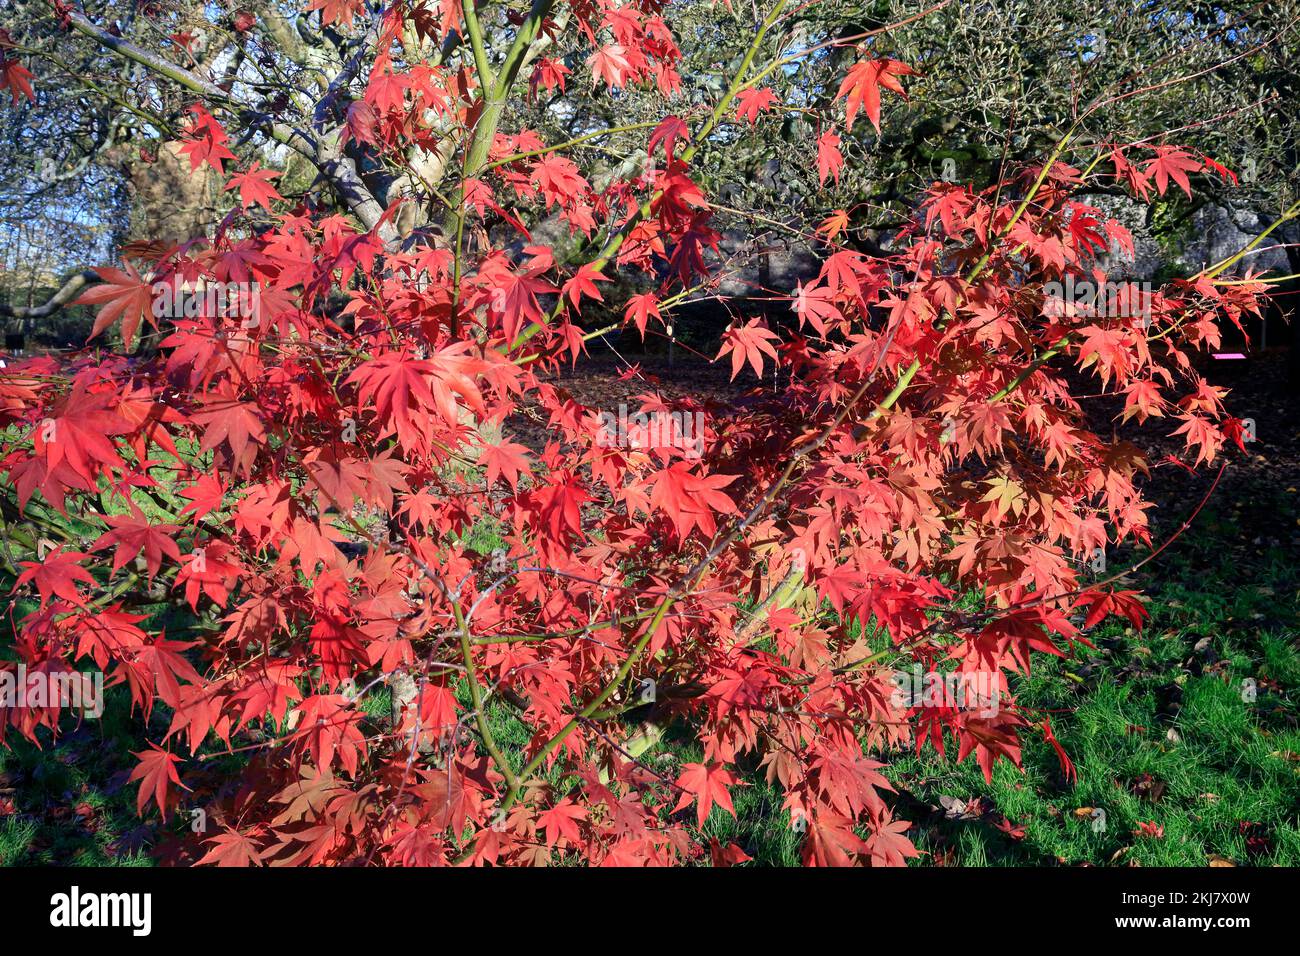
point(306, 482)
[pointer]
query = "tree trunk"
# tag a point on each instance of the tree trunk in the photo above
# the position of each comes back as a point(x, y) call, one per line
point(170, 202)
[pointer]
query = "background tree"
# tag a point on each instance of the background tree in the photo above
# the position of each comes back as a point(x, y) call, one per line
point(1006, 79)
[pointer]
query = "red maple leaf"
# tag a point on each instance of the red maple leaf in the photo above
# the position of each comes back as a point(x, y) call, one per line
point(610, 64)
point(231, 848)
point(816, 305)
point(204, 141)
point(156, 669)
point(705, 784)
point(1171, 162)
point(231, 423)
point(122, 295)
point(831, 840)
point(668, 132)
point(255, 186)
point(548, 74)
point(862, 87)
point(337, 11)
point(640, 308)
point(1101, 604)
point(506, 459)
point(690, 500)
point(833, 225)
point(557, 179)
point(888, 846)
point(989, 738)
point(109, 633)
point(156, 771)
point(748, 343)
point(751, 102)
point(56, 576)
point(329, 727)
point(15, 78)
point(200, 710)
point(829, 158)
point(561, 822)
point(584, 283)
point(204, 496)
point(730, 855)
point(79, 431)
point(514, 297)
point(132, 533)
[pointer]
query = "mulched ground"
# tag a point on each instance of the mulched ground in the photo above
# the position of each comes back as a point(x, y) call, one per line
point(1259, 489)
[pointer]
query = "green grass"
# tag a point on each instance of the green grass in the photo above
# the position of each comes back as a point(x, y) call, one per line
point(71, 803)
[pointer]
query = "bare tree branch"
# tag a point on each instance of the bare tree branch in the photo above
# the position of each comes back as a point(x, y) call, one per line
point(71, 286)
point(325, 153)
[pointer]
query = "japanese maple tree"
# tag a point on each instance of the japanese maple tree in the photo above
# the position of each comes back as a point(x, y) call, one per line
point(307, 476)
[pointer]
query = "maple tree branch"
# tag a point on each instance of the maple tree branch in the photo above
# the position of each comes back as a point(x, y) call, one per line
point(348, 71)
point(1100, 103)
point(594, 705)
point(759, 611)
point(476, 699)
point(736, 84)
point(853, 40)
point(1290, 213)
point(615, 241)
point(576, 632)
point(567, 144)
point(1024, 203)
point(161, 123)
point(496, 90)
point(151, 61)
point(1037, 363)
point(485, 78)
point(518, 51)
